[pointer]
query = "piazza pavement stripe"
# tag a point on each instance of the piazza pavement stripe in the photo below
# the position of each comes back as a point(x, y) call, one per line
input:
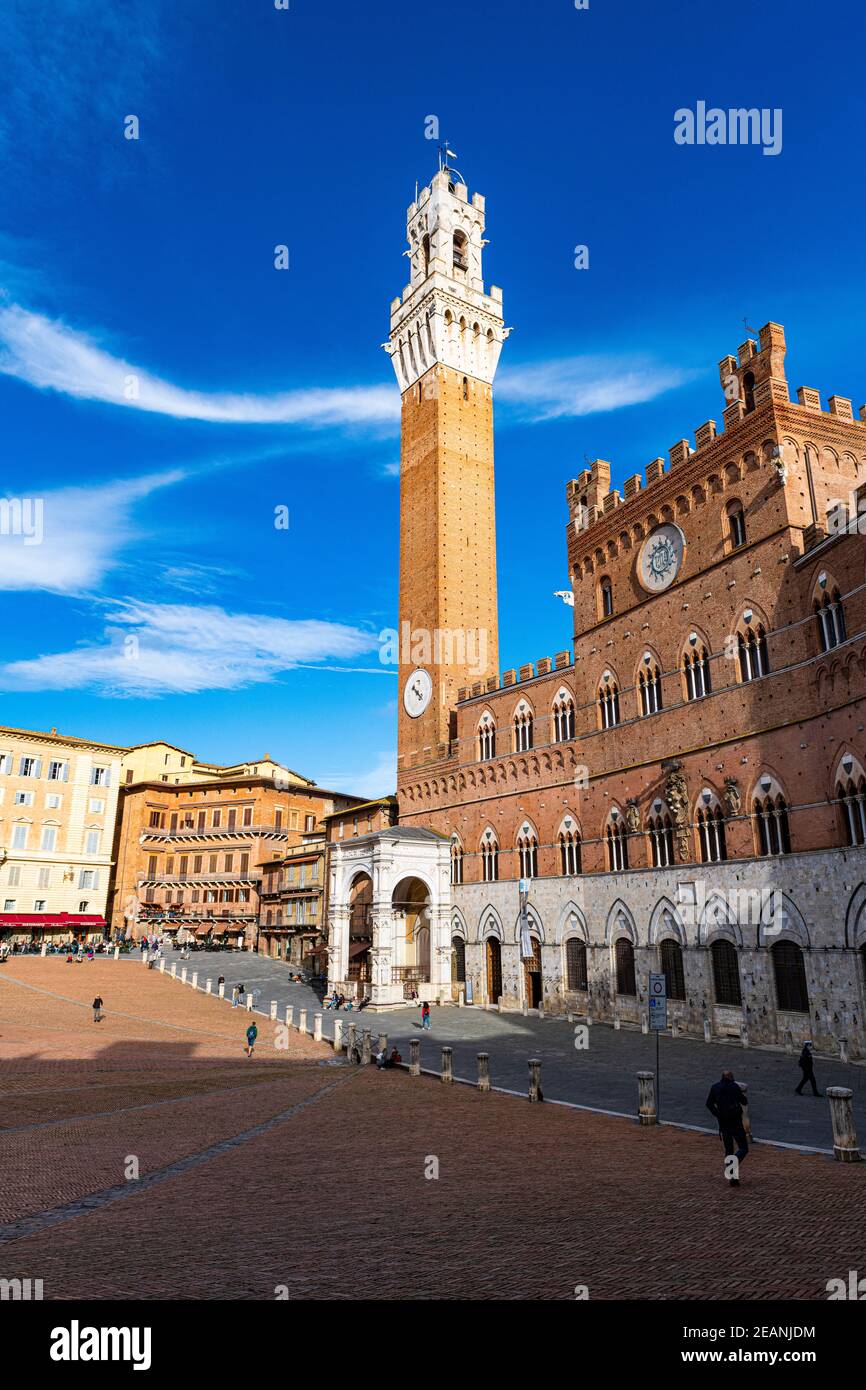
point(55, 1216)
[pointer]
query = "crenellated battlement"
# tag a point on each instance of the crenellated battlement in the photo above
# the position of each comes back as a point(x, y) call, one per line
point(751, 381)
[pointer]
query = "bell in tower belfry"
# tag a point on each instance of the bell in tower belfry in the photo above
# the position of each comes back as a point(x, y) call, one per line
point(445, 341)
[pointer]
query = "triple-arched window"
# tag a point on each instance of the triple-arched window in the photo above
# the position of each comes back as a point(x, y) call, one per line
point(752, 647)
point(711, 829)
point(830, 617)
point(696, 669)
point(563, 717)
point(522, 725)
point(851, 796)
point(527, 848)
point(569, 848)
point(489, 858)
point(608, 701)
point(456, 860)
point(617, 844)
point(661, 833)
point(486, 738)
point(771, 813)
point(649, 686)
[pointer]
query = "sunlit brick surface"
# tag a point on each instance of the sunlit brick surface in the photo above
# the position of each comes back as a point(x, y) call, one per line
point(332, 1201)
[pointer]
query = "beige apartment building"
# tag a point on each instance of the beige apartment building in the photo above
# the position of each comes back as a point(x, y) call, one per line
point(58, 806)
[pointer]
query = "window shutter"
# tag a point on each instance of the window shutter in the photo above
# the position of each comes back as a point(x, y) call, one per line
point(37, 770)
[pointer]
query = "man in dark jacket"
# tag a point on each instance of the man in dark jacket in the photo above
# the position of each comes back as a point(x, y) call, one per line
point(726, 1102)
point(807, 1067)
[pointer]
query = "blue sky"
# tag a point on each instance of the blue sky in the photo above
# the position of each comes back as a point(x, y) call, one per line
point(163, 602)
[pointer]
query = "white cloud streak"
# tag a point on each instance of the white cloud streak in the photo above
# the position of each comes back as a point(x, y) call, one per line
point(160, 649)
point(48, 354)
point(575, 386)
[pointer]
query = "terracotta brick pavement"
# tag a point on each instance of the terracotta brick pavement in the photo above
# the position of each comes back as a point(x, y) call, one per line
point(332, 1201)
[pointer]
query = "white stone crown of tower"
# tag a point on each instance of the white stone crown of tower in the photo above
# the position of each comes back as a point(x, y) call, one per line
point(444, 316)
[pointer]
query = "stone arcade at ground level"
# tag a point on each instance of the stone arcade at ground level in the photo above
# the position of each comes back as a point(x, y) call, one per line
point(776, 947)
point(389, 916)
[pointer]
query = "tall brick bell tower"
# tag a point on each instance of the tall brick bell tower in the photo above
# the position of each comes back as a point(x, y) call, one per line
point(446, 337)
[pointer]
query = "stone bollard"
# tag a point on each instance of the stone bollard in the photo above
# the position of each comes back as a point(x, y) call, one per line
point(675, 1027)
point(525, 1009)
point(249, 1001)
point(747, 1119)
point(744, 1035)
point(845, 1146)
point(789, 1041)
point(569, 1015)
point(646, 1109)
point(383, 1042)
point(484, 1071)
point(414, 1056)
point(351, 1042)
point(183, 975)
point(338, 1035)
point(843, 1049)
point(221, 989)
point(195, 979)
point(317, 1027)
point(145, 957)
point(302, 1021)
point(588, 1019)
point(460, 999)
point(535, 1079)
point(117, 953)
point(708, 1031)
point(44, 950)
point(162, 967)
point(290, 1015)
point(541, 1008)
point(174, 970)
point(447, 1073)
point(616, 1023)
point(644, 1024)
point(208, 986)
point(365, 1047)
point(273, 1010)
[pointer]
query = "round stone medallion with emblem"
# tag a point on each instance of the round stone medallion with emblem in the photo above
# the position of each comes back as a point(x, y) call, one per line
point(661, 558)
point(417, 692)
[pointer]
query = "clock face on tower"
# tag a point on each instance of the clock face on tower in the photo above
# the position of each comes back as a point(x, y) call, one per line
point(661, 558)
point(417, 692)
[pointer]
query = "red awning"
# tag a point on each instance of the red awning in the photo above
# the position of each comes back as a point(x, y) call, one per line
point(49, 919)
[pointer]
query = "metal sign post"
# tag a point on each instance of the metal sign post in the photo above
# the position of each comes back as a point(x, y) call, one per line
point(658, 1021)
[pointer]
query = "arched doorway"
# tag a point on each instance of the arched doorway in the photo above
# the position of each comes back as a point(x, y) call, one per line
point(532, 975)
point(493, 956)
point(360, 928)
point(410, 902)
point(458, 965)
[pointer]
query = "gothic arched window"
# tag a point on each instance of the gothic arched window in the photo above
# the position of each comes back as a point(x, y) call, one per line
point(726, 974)
point(696, 669)
point(789, 968)
point(711, 829)
point(522, 724)
point(456, 860)
point(527, 847)
point(569, 849)
point(608, 702)
point(563, 718)
point(851, 796)
point(672, 968)
point(458, 959)
point(461, 249)
point(486, 738)
point(625, 977)
point(489, 858)
point(650, 686)
point(575, 964)
point(605, 594)
point(830, 617)
point(736, 525)
point(661, 833)
point(752, 645)
point(771, 813)
point(617, 844)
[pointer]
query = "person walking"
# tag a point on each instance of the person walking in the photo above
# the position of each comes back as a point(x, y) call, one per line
point(807, 1067)
point(252, 1034)
point(425, 1015)
point(726, 1102)
point(97, 1009)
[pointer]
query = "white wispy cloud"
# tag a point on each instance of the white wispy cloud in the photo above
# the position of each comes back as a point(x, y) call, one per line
point(574, 386)
point(80, 532)
point(151, 649)
point(52, 356)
